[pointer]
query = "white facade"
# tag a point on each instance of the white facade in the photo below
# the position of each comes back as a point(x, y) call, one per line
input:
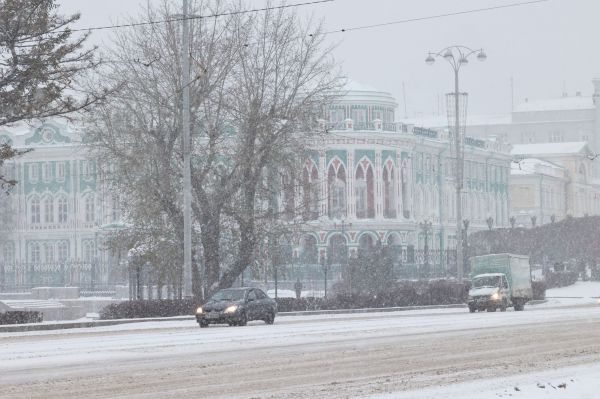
point(52, 236)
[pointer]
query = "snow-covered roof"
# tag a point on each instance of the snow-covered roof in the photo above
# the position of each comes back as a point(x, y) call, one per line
point(531, 166)
point(352, 85)
point(573, 147)
point(556, 104)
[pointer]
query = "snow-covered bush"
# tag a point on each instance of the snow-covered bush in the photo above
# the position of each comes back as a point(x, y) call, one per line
point(21, 317)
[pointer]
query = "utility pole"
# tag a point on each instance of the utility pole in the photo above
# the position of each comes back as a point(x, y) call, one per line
point(187, 173)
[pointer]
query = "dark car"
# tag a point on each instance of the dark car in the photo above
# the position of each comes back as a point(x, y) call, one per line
point(236, 307)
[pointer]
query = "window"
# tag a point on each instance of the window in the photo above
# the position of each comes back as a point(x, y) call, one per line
point(310, 187)
point(47, 170)
point(34, 252)
point(364, 191)
point(389, 203)
point(88, 251)
point(251, 295)
point(33, 172)
point(260, 294)
point(60, 167)
point(63, 210)
point(8, 253)
point(48, 253)
point(48, 210)
point(34, 208)
point(63, 251)
point(89, 208)
point(337, 190)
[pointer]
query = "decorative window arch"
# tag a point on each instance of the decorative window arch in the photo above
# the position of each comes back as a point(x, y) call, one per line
point(364, 188)
point(48, 202)
point(389, 190)
point(310, 188)
point(336, 181)
point(34, 210)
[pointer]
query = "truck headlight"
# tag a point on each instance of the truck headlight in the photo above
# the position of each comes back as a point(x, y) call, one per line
point(495, 296)
point(199, 310)
point(231, 309)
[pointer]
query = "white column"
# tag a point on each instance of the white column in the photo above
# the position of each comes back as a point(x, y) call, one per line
point(324, 193)
point(350, 200)
point(378, 186)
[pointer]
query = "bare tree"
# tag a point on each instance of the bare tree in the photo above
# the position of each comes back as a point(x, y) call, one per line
point(259, 83)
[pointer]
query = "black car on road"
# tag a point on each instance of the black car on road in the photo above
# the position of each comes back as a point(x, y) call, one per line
point(236, 307)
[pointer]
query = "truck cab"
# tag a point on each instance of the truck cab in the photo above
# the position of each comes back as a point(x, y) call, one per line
point(489, 291)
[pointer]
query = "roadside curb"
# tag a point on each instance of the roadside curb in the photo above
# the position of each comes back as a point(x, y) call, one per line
point(103, 323)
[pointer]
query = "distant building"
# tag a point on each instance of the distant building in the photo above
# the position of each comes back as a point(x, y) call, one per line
point(51, 232)
point(552, 180)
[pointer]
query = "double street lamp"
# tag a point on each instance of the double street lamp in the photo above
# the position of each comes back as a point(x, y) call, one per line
point(457, 57)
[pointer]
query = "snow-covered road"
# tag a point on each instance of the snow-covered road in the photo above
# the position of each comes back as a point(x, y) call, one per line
point(306, 356)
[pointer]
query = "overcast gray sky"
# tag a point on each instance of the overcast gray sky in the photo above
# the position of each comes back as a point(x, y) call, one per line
point(547, 48)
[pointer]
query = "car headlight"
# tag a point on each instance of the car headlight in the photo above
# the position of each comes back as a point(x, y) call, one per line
point(231, 309)
point(495, 296)
point(199, 310)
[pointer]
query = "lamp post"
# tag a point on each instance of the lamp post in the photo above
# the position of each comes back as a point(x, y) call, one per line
point(457, 57)
point(426, 227)
point(342, 227)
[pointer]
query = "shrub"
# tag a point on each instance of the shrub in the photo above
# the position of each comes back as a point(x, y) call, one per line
point(149, 308)
point(539, 289)
point(21, 317)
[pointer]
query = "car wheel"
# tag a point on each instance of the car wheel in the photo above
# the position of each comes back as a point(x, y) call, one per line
point(203, 324)
point(243, 320)
point(270, 319)
point(472, 309)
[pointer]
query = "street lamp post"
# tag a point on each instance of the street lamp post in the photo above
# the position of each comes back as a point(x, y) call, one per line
point(457, 56)
point(325, 267)
point(426, 227)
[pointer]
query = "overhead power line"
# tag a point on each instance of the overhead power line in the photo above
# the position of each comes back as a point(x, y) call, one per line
point(178, 19)
point(438, 16)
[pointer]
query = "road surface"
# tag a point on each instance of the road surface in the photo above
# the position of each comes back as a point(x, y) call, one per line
point(336, 356)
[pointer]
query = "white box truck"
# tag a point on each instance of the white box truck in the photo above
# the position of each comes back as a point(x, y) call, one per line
point(499, 281)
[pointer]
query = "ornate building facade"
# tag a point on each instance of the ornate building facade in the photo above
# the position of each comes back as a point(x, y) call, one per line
point(375, 180)
point(52, 217)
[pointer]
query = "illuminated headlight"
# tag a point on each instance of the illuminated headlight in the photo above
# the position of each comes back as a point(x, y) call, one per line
point(199, 310)
point(231, 309)
point(495, 296)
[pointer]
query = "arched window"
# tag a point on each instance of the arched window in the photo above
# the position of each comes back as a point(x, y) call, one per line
point(34, 209)
point(364, 188)
point(389, 197)
point(309, 250)
point(365, 244)
point(48, 209)
point(89, 208)
point(404, 189)
point(8, 253)
point(34, 253)
point(337, 252)
point(337, 190)
point(63, 209)
point(310, 188)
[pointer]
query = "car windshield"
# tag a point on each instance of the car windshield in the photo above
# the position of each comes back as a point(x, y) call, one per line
point(487, 281)
point(228, 295)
